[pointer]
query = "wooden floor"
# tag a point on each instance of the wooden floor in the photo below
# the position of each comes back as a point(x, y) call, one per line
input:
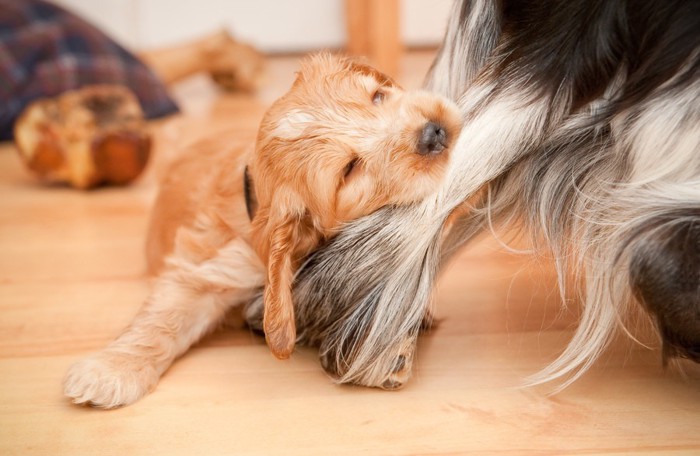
point(72, 276)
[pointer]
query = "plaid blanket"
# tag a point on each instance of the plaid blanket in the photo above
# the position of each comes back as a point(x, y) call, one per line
point(46, 50)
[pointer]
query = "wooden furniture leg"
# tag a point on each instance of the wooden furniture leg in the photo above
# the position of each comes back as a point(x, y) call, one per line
point(374, 31)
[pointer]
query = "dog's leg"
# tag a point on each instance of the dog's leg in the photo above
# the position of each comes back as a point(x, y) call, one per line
point(665, 276)
point(316, 331)
point(188, 300)
point(393, 256)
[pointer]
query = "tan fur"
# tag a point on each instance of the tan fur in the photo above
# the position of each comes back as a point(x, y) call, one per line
point(207, 253)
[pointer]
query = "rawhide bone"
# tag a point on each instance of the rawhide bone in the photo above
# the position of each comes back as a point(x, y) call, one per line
point(86, 137)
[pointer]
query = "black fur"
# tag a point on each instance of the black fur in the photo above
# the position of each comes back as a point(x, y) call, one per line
point(665, 275)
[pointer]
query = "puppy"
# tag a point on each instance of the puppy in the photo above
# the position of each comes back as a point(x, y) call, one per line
point(581, 124)
point(345, 141)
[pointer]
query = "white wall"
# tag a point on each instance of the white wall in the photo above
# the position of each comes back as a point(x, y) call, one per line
point(271, 25)
point(117, 18)
point(423, 22)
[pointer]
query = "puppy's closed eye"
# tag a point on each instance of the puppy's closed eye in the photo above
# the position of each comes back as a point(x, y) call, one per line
point(351, 169)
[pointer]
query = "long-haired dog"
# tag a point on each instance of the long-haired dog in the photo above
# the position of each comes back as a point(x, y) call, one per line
point(582, 120)
point(343, 142)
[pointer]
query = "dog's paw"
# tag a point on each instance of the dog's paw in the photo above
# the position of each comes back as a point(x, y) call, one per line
point(400, 372)
point(391, 375)
point(109, 380)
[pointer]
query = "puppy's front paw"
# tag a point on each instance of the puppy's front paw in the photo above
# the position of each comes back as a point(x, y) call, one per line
point(108, 380)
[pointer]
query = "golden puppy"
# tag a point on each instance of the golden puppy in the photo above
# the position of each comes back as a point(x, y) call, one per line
point(343, 142)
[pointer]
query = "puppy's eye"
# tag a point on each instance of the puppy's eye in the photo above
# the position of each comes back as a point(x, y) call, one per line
point(378, 97)
point(349, 168)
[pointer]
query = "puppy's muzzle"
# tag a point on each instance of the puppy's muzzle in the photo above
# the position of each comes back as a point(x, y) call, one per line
point(432, 139)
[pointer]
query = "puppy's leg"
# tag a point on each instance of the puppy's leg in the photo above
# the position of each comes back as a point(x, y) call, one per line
point(187, 301)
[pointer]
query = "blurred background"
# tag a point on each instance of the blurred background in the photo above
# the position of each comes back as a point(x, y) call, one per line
point(203, 58)
point(273, 26)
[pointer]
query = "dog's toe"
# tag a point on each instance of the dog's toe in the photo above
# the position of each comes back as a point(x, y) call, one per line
point(392, 385)
point(400, 372)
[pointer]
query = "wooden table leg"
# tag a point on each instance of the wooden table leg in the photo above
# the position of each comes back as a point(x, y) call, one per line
point(374, 31)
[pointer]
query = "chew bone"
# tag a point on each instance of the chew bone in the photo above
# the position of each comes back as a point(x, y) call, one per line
point(87, 137)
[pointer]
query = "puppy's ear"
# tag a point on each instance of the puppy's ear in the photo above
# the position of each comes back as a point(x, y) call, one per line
point(279, 241)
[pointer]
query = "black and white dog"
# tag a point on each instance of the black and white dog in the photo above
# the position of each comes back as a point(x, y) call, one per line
point(582, 119)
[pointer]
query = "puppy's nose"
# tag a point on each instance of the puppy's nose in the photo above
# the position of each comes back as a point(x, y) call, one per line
point(433, 139)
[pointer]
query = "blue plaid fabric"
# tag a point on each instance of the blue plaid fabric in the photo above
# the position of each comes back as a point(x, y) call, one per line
point(46, 50)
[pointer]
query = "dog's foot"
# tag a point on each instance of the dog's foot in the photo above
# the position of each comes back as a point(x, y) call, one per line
point(109, 380)
point(665, 276)
point(395, 376)
point(400, 371)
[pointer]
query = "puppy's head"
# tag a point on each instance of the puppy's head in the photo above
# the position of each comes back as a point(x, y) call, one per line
point(343, 142)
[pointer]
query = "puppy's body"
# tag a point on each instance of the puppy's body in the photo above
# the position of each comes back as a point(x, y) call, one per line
point(343, 142)
point(207, 177)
